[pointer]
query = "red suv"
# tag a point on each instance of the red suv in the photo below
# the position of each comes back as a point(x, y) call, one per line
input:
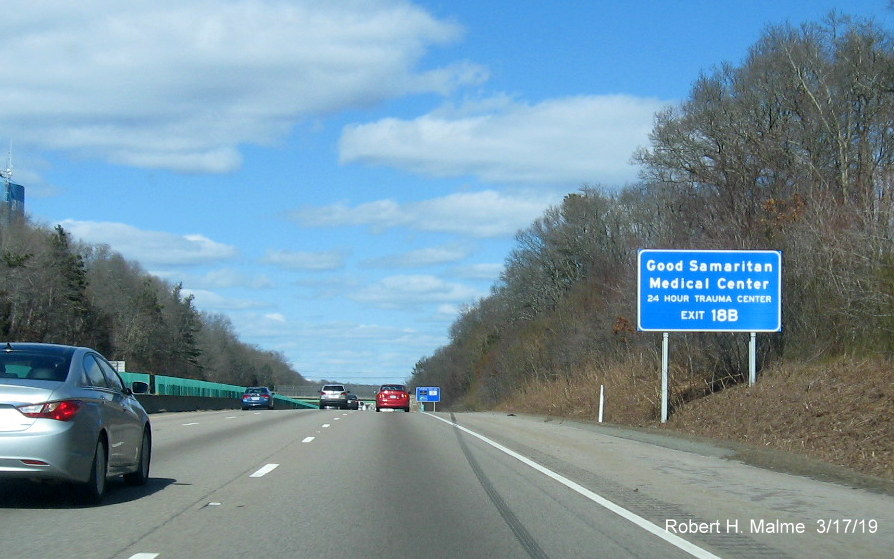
point(394, 396)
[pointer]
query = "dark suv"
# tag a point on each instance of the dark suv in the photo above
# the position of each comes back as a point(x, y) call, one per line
point(334, 395)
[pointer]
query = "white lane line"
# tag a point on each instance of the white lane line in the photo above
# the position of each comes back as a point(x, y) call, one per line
point(325, 425)
point(230, 417)
point(265, 470)
point(654, 529)
point(308, 439)
point(193, 423)
point(144, 556)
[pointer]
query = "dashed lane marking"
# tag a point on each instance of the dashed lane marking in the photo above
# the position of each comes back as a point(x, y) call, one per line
point(265, 470)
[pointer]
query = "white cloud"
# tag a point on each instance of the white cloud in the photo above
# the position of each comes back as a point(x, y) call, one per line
point(180, 84)
point(215, 302)
point(345, 350)
point(480, 214)
point(325, 336)
point(421, 257)
point(329, 286)
point(411, 290)
point(218, 279)
point(292, 260)
point(488, 271)
point(560, 142)
point(448, 312)
point(228, 277)
point(276, 317)
point(150, 248)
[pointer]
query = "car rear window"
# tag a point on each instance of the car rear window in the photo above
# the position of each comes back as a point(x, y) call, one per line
point(333, 388)
point(36, 366)
point(393, 387)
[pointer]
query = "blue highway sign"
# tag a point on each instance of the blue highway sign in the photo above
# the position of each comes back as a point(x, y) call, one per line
point(709, 290)
point(428, 394)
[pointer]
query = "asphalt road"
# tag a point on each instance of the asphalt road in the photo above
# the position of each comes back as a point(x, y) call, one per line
point(329, 483)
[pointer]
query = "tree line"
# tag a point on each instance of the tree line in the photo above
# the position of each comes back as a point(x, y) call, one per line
point(790, 150)
point(56, 290)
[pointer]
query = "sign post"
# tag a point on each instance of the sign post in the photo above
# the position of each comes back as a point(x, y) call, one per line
point(428, 394)
point(665, 397)
point(709, 291)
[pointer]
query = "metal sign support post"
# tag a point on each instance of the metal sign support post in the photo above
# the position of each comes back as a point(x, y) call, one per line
point(664, 360)
point(752, 359)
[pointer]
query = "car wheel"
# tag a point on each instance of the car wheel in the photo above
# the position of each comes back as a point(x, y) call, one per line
point(378, 409)
point(92, 491)
point(322, 407)
point(141, 475)
point(407, 410)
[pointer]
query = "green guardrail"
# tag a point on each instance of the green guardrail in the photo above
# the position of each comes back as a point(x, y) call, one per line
point(174, 386)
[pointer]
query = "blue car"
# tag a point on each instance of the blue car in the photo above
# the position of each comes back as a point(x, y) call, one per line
point(257, 397)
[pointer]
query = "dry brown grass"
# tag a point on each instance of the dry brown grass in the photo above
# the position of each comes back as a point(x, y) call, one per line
point(632, 397)
point(841, 412)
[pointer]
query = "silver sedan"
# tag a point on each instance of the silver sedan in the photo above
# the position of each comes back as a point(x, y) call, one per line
point(65, 414)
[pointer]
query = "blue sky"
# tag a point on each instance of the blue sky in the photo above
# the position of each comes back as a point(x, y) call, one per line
point(340, 178)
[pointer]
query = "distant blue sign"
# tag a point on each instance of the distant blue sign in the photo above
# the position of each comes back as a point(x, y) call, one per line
point(709, 290)
point(428, 394)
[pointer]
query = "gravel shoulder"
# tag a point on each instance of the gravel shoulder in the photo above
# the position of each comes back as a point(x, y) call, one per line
point(761, 457)
point(666, 476)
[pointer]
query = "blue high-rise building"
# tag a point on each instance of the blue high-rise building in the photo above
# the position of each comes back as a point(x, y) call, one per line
point(12, 201)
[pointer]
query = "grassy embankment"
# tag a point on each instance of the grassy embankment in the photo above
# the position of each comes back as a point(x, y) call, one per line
point(840, 412)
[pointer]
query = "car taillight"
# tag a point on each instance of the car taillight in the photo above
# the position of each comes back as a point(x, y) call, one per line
point(60, 411)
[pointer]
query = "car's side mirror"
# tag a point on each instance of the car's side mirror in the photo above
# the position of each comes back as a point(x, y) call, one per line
point(140, 387)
